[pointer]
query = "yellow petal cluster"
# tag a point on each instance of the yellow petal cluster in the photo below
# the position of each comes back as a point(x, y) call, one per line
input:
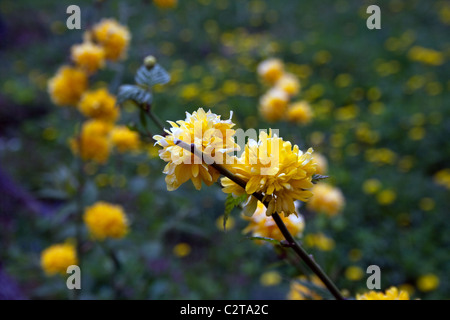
point(113, 37)
point(300, 291)
point(88, 56)
point(261, 225)
point(271, 70)
point(106, 220)
point(67, 86)
point(93, 143)
point(392, 293)
point(326, 199)
point(56, 258)
point(282, 173)
point(273, 104)
point(300, 112)
point(99, 104)
point(209, 134)
point(124, 139)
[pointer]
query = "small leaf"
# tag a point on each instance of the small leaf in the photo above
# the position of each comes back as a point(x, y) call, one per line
point(270, 240)
point(317, 177)
point(150, 77)
point(135, 93)
point(230, 203)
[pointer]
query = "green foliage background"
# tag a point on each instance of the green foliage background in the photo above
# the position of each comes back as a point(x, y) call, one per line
point(211, 49)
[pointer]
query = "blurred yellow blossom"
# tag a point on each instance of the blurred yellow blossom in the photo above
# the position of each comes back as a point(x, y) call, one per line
point(113, 37)
point(270, 278)
point(106, 220)
point(182, 250)
point(125, 139)
point(326, 199)
point(56, 258)
point(319, 241)
point(99, 104)
point(354, 273)
point(88, 56)
point(300, 291)
point(288, 83)
point(442, 178)
point(427, 282)
point(425, 55)
point(271, 70)
point(273, 104)
point(300, 112)
point(322, 163)
point(67, 86)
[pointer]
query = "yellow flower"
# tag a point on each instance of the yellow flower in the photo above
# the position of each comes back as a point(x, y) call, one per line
point(299, 291)
point(428, 282)
point(288, 83)
point(88, 56)
point(93, 143)
point(322, 163)
point(209, 134)
point(113, 37)
point(56, 258)
point(386, 197)
point(442, 178)
point(105, 220)
point(99, 104)
point(261, 225)
point(326, 199)
point(354, 273)
point(300, 112)
point(165, 4)
point(182, 250)
point(275, 168)
point(273, 104)
point(271, 70)
point(67, 86)
point(320, 241)
point(270, 278)
point(124, 139)
point(391, 294)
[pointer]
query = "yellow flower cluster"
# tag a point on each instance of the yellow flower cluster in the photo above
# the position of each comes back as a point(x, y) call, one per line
point(275, 103)
point(56, 258)
point(282, 173)
point(165, 4)
point(208, 133)
point(124, 139)
point(99, 104)
point(442, 178)
point(67, 86)
point(261, 225)
point(105, 220)
point(88, 56)
point(326, 199)
point(113, 37)
point(299, 291)
point(392, 293)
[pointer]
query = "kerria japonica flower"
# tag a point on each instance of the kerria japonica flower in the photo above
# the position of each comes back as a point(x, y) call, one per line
point(204, 131)
point(280, 172)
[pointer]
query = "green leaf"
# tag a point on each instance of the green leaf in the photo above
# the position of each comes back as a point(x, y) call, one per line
point(273, 241)
point(231, 203)
point(150, 77)
point(134, 93)
point(317, 177)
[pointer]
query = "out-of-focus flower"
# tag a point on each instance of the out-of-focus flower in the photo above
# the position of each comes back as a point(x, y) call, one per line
point(270, 278)
point(288, 83)
point(371, 186)
point(56, 258)
point(88, 56)
point(275, 168)
point(386, 197)
point(299, 291)
point(165, 4)
point(124, 139)
point(113, 37)
point(271, 70)
point(391, 294)
point(67, 86)
point(300, 112)
point(106, 220)
point(92, 142)
point(442, 178)
point(99, 104)
point(428, 282)
point(354, 273)
point(425, 55)
point(273, 104)
point(261, 225)
point(182, 250)
point(322, 163)
point(326, 199)
point(319, 241)
point(209, 134)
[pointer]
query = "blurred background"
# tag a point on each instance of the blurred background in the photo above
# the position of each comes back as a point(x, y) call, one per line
point(380, 102)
